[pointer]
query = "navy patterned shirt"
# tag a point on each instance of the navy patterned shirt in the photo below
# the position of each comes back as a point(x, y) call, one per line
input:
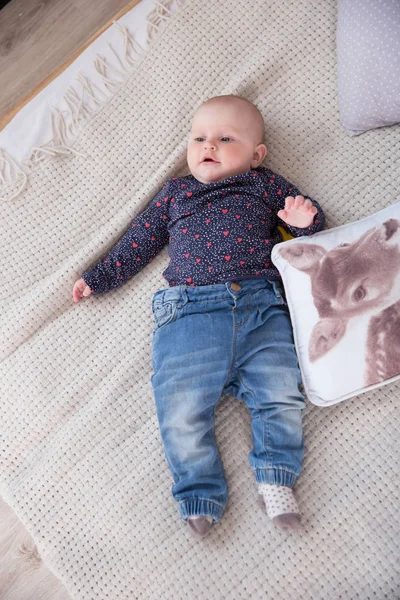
point(217, 232)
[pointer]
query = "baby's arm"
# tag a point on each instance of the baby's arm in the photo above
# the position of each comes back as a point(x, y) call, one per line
point(146, 236)
point(299, 215)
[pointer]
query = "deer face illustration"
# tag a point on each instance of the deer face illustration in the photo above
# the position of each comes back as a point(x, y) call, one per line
point(349, 280)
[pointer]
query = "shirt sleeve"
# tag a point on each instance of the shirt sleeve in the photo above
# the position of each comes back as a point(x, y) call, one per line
point(278, 189)
point(146, 236)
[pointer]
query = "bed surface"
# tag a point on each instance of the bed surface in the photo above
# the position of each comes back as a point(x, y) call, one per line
point(82, 463)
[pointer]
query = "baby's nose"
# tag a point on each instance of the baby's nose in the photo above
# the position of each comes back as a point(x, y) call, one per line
point(209, 144)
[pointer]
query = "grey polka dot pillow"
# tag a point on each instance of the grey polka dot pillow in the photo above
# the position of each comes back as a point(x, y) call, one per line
point(368, 51)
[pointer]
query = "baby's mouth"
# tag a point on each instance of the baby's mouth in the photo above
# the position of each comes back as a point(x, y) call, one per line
point(209, 160)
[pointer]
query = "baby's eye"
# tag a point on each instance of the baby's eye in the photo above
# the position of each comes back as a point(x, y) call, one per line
point(226, 139)
point(199, 139)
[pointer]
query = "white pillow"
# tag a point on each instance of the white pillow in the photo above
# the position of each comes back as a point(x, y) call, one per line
point(343, 292)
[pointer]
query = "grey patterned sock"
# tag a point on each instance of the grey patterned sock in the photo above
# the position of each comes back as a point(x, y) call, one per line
point(281, 506)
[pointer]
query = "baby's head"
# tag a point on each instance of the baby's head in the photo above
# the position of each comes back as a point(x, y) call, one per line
point(227, 138)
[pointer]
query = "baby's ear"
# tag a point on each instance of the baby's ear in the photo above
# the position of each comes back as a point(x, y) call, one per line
point(258, 156)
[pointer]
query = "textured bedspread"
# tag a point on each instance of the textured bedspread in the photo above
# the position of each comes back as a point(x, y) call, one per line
point(81, 458)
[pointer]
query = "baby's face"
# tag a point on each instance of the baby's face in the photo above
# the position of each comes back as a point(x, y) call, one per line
point(223, 142)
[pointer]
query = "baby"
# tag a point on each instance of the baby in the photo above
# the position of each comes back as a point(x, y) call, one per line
point(222, 325)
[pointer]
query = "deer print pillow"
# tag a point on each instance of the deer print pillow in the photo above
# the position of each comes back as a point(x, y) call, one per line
point(343, 292)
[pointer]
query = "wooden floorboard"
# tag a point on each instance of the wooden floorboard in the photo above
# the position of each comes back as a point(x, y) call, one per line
point(38, 38)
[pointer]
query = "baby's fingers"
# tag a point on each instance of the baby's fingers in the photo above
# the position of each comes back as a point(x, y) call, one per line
point(80, 290)
point(76, 292)
point(307, 204)
point(298, 202)
point(308, 207)
point(289, 202)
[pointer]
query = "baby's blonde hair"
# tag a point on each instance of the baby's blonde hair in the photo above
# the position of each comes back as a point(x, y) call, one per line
point(252, 108)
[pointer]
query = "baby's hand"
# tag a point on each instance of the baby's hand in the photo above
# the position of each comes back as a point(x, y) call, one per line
point(298, 212)
point(81, 290)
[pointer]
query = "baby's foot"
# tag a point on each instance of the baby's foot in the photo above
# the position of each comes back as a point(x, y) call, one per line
point(281, 506)
point(199, 526)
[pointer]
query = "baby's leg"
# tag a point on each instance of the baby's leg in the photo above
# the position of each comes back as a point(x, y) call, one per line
point(270, 381)
point(191, 365)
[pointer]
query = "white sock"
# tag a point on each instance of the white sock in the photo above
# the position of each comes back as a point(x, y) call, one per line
point(279, 499)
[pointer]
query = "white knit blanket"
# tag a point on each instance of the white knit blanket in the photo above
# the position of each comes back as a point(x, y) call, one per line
point(81, 458)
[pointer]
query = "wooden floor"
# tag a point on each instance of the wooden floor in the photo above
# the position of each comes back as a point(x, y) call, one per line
point(37, 36)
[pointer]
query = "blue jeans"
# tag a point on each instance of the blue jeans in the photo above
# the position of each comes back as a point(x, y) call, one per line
point(213, 339)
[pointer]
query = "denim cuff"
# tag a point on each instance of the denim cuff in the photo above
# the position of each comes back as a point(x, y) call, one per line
point(276, 476)
point(199, 506)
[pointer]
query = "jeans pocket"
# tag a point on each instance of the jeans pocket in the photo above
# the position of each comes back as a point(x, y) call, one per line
point(164, 312)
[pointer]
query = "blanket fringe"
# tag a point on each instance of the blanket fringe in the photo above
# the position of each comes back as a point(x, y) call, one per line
point(11, 176)
point(82, 105)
